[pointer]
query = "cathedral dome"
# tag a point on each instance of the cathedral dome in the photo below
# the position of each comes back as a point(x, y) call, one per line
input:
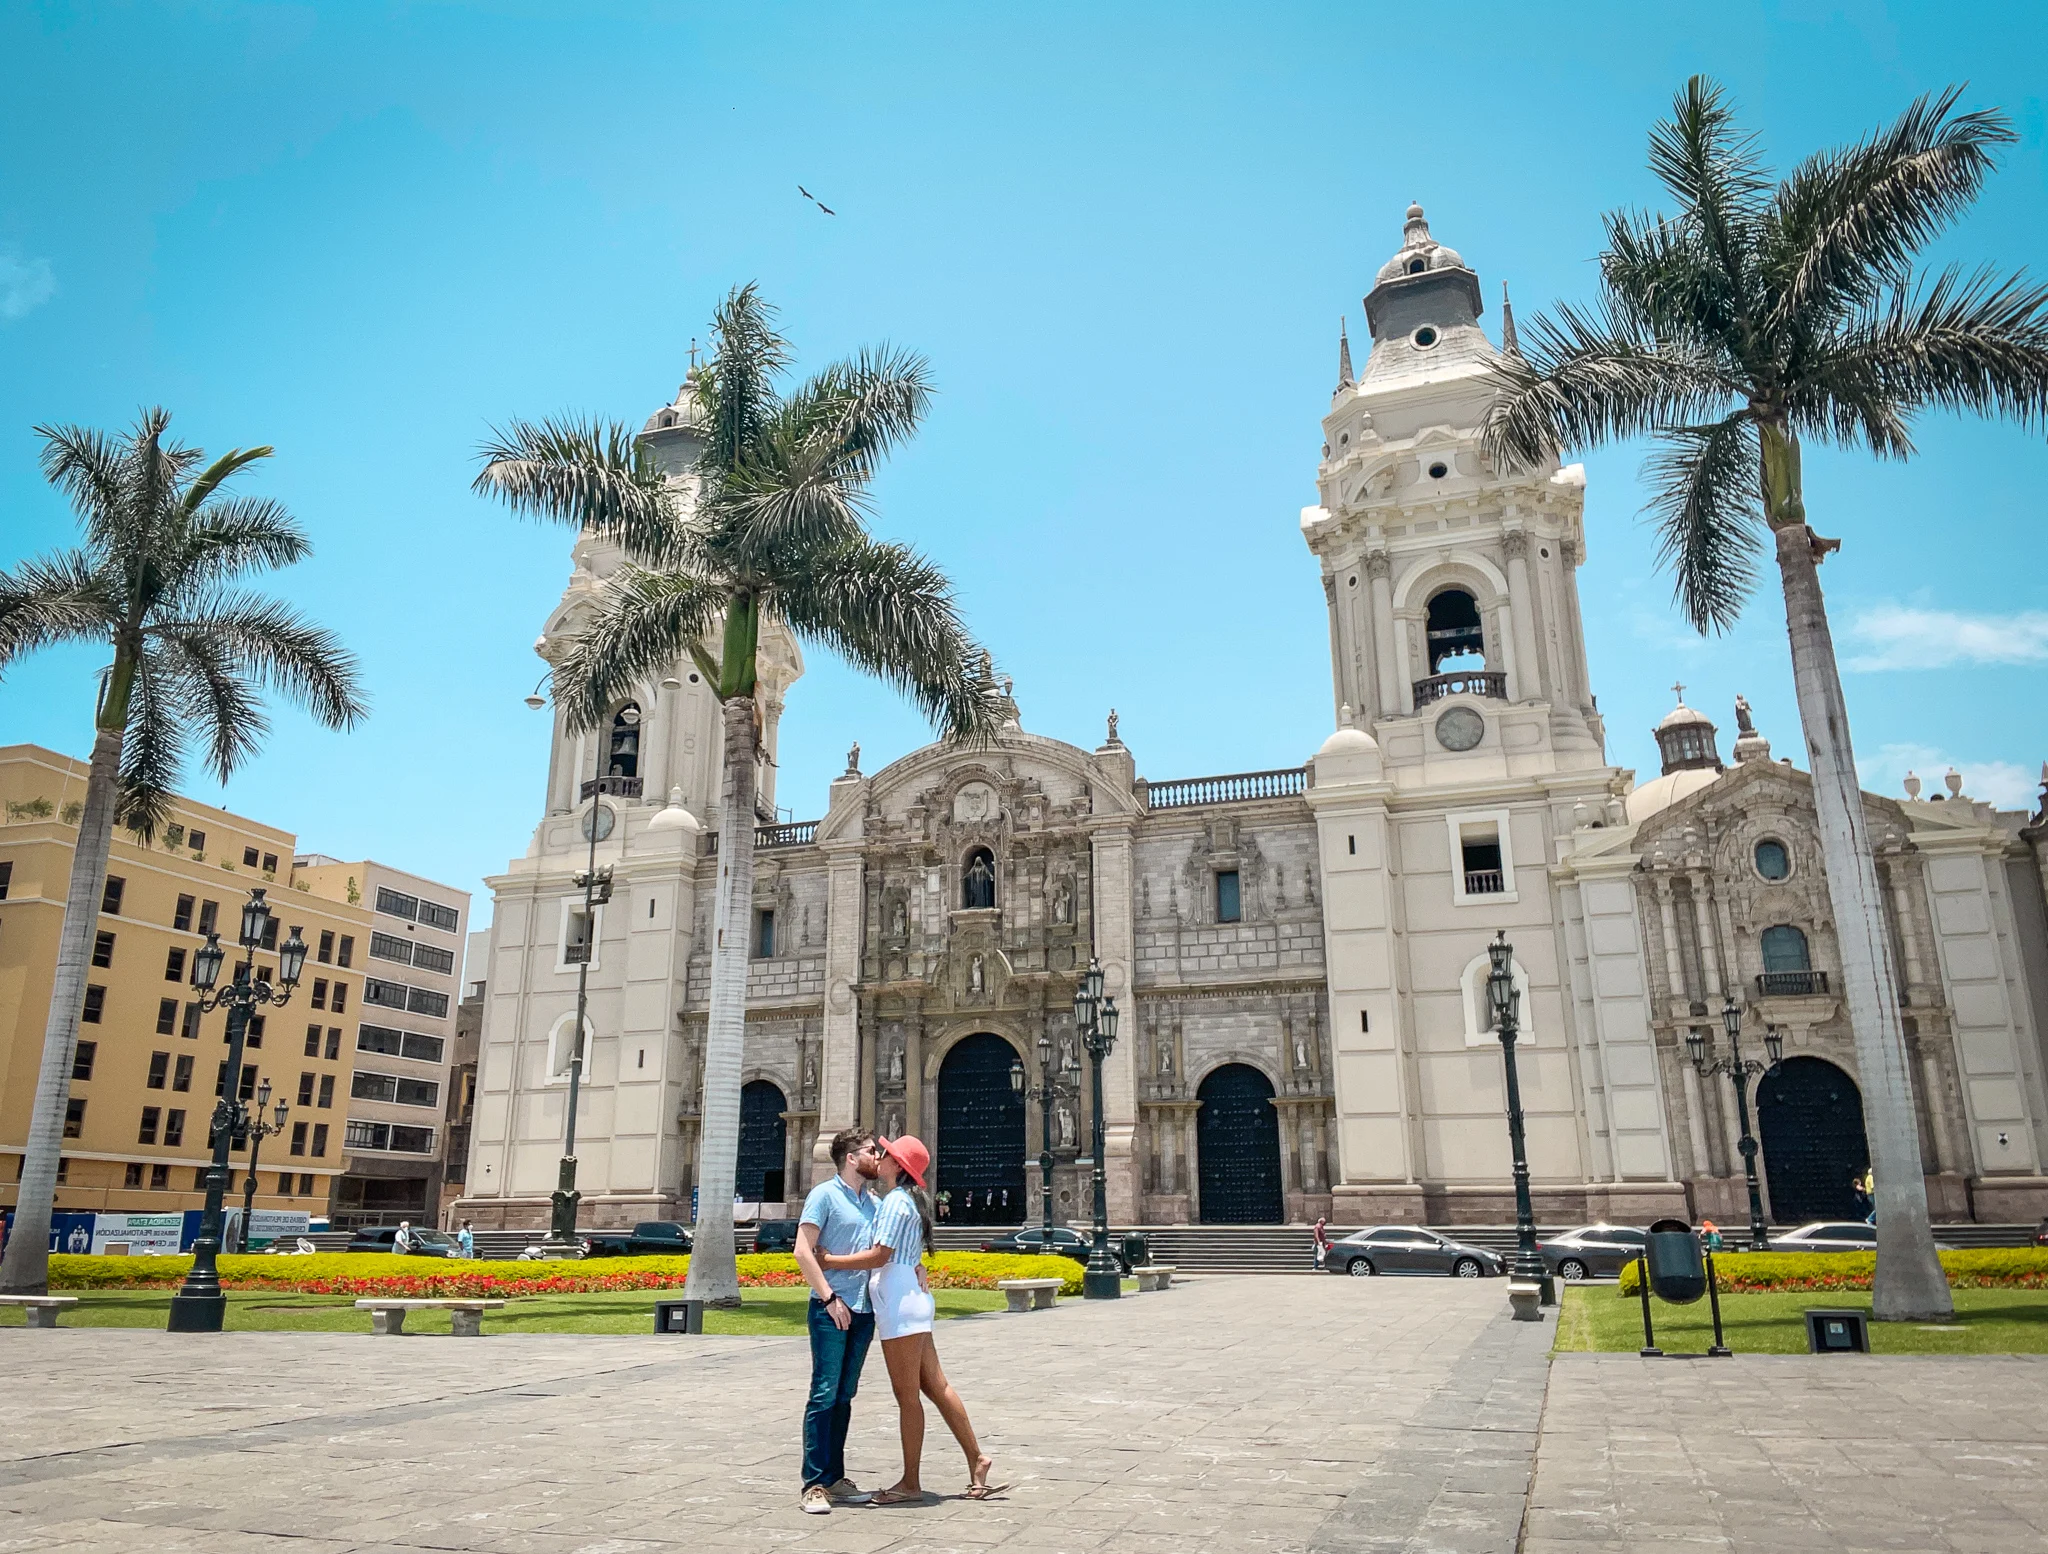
point(675, 817)
point(1350, 741)
point(1661, 793)
point(1685, 737)
point(1420, 253)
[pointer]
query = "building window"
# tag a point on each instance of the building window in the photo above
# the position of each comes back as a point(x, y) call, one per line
point(319, 1140)
point(1479, 859)
point(326, 952)
point(1229, 898)
point(181, 1072)
point(326, 1091)
point(430, 957)
point(1482, 861)
point(220, 1080)
point(1785, 949)
point(182, 918)
point(174, 966)
point(6, 879)
point(95, 1005)
point(1456, 637)
point(395, 903)
point(269, 940)
point(575, 943)
point(151, 1117)
point(254, 1038)
point(159, 1071)
point(131, 1175)
point(346, 955)
point(103, 949)
point(174, 1127)
point(312, 1041)
point(82, 1060)
point(159, 1177)
point(63, 1170)
point(622, 757)
point(333, 1042)
point(190, 1028)
point(409, 1044)
point(196, 840)
point(340, 997)
point(388, 946)
point(248, 1090)
point(110, 898)
point(306, 1088)
point(209, 916)
point(764, 934)
point(270, 863)
point(978, 880)
point(174, 835)
point(298, 1138)
point(167, 1017)
point(318, 997)
point(447, 919)
point(249, 857)
point(385, 995)
point(305, 1184)
point(1773, 862)
point(284, 1184)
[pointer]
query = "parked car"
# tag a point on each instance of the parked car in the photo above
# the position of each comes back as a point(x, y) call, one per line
point(1591, 1251)
point(1409, 1249)
point(1029, 1241)
point(775, 1235)
point(650, 1238)
point(2041, 1233)
point(1834, 1235)
point(425, 1243)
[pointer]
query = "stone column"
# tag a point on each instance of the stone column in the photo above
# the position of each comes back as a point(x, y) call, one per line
point(1379, 573)
point(1902, 908)
point(1934, 1095)
point(1695, 1124)
point(1703, 925)
point(1521, 600)
point(1116, 948)
point(1290, 1167)
point(841, 1086)
point(1674, 957)
point(913, 1077)
point(1190, 1148)
point(1569, 553)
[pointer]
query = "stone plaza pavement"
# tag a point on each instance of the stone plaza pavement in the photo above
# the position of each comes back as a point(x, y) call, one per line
point(1319, 1415)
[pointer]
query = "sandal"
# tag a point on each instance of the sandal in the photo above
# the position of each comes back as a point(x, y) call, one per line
point(897, 1497)
point(982, 1491)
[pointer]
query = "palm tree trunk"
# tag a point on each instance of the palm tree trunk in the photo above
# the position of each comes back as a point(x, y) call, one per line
point(714, 1275)
point(1909, 1285)
point(25, 1267)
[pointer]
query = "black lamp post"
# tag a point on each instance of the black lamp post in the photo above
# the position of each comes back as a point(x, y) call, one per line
point(257, 1131)
point(1507, 1002)
point(1740, 1071)
point(1095, 1020)
point(200, 1306)
point(1049, 1092)
point(596, 885)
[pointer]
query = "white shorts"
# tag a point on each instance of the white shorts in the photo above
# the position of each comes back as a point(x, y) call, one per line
point(901, 1308)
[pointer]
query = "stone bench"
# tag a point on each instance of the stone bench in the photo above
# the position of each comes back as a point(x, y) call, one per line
point(1157, 1276)
point(1524, 1301)
point(466, 1316)
point(1030, 1294)
point(39, 1310)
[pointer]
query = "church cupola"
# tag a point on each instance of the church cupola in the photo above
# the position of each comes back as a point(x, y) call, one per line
point(1686, 739)
point(1424, 287)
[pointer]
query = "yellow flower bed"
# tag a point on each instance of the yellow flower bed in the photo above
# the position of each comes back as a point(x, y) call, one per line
point(1750, 1273)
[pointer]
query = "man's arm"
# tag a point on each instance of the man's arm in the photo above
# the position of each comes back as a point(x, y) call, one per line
point(814, 1276)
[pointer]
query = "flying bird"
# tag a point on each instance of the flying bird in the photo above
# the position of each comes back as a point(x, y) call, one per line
point(828, 210)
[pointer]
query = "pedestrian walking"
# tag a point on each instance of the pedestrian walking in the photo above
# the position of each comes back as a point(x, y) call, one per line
point(401, 1244)
point(904, 1310)
point(1322, 1252)
point(838, 1218)
point(467, 1237)
point(1710, 1236)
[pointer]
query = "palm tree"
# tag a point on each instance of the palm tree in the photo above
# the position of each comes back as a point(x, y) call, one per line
point(155, 582)
point(1757, 315)
point(776, 532)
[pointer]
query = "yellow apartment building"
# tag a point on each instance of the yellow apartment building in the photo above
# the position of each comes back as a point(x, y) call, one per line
point(150, 1064)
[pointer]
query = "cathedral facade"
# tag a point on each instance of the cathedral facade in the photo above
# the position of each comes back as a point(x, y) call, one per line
point(1300, 954)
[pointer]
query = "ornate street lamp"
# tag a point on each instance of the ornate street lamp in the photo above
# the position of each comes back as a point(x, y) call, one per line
point(1050, 1090)
point(1507, 1000)
point(257, 1131)
point(1740, 1071)
point(1095, 1021)
point(200, 1306)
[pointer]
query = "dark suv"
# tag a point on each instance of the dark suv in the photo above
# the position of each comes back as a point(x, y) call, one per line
point(775, 1235)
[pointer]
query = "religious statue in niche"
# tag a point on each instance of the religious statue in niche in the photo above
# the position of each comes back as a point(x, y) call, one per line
point(896, 1064)
point(1165, 1056)
point(810, 1075)
point(1301, 1052)
point(1062, 900)
point(1063, 1125)
point(976, 982)
point(899, 919)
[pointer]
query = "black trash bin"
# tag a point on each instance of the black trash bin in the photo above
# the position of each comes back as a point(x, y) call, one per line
point(1137, 1252)
point(1678, 1274)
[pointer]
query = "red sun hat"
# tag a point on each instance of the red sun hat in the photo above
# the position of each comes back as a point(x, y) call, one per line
point(909, 1153)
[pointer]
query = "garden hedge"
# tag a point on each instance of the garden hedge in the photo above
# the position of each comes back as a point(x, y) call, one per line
point(380, 1273)
point(1757, 1273)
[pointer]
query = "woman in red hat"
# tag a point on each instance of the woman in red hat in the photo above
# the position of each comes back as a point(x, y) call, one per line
point(902, 1303)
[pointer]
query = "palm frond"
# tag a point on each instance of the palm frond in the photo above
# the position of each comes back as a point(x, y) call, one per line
point(593, 474)
point(1591, 376)
point(1965, 341)
point(890, 612)
point(737, 384)
point(870, 404)
point(205, 688)
point(264, 639)
point(1845, 226)
point(1706, 498)
point(1660, 279)
point(90, 467)
point(153, 747)
point(218, 473)
point(1719, 181)
point(231, 535)
point(60, 598)
point(645, 621)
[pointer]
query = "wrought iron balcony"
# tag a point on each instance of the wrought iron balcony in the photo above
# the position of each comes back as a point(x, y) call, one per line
point(1187, 792)
point(1484, 882)
point(1471, 682)
point(1791, 984)
point(612, 787)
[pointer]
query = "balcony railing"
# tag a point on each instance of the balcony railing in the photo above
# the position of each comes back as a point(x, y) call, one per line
point(1791, 984)
point(1484, 882)
point(1474, 682)
point(1189, 791)
point(795, 833)
point(612, 787)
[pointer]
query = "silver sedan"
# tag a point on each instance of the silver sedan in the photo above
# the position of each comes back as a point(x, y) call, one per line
point(1409, 1249)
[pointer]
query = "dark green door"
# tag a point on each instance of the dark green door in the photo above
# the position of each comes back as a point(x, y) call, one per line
point(1237, 1137)
point(764, 1143)
point(981, 1134)
point(1810, 1117)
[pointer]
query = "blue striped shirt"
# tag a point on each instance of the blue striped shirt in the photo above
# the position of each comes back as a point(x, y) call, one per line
point(845, 1218)
point(900, 1227)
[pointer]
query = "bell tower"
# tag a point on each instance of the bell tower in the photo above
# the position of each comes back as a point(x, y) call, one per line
point(1452, 586)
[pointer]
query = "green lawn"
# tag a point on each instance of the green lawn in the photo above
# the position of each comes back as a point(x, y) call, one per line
point(1986, 1322)
point(771, 1311)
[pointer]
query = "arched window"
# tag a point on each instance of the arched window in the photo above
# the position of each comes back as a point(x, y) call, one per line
point(1785, 949)
point(1455, 633)
point(1773, 862)
point(978, 880)
point(622, 755)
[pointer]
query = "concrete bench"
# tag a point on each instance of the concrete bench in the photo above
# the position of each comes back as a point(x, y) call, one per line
point(1523, 1301)
point(39, 1310)
point(1030, 1294)
point(467, 1316)
point(1157, 1276)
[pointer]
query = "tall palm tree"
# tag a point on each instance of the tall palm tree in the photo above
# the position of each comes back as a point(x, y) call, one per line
point(155, 583)
point(776, 532)
point(1756, 315)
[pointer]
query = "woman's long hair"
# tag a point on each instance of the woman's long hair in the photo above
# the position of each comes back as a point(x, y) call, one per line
point(924, 1210)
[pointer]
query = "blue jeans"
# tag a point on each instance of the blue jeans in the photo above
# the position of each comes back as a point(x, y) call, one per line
point(836, 1359)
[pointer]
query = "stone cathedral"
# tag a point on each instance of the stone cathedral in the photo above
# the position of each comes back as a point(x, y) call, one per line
point(1300, 954)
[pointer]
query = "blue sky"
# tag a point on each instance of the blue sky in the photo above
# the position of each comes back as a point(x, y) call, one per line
point(1123, 236)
